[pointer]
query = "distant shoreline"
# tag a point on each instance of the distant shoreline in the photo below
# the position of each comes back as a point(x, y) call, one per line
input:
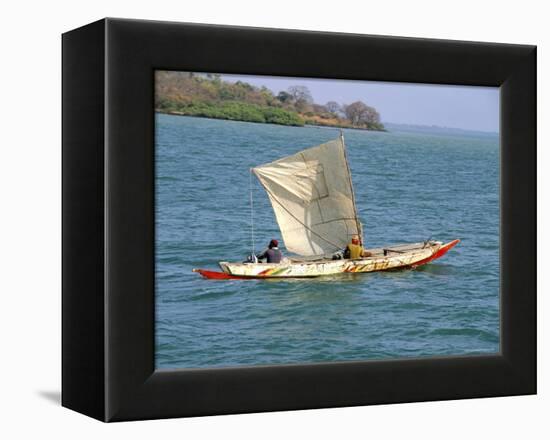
point(309, 122)
point(388, 127)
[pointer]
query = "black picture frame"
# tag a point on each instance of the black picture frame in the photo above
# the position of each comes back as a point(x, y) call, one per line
point(108, 219)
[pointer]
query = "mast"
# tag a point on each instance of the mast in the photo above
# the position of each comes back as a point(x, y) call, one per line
point(357, 222)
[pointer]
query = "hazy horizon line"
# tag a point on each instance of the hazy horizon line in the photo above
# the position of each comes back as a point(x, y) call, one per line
point(440, 127)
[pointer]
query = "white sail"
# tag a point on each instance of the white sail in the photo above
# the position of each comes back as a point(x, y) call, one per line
point(312, 196)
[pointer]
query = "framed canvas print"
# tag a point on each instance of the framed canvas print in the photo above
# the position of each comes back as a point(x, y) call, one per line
point(262, 219)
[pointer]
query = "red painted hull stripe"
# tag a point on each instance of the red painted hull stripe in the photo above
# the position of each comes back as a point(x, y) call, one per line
point(213, 275)
point(440, 252)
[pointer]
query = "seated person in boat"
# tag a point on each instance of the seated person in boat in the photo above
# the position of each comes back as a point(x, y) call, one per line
point(354, 250)
point(272, 254)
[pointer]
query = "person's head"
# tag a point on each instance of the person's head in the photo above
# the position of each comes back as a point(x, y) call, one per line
point(273, 243)
point(355, 239)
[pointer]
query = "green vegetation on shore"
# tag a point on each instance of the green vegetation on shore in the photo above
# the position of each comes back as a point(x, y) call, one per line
point(209, 96)
point(234, 111)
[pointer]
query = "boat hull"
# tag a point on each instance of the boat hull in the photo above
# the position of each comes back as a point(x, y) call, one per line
point(393, 257)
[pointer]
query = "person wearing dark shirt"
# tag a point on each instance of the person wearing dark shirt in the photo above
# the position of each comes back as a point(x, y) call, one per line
point(272, 254)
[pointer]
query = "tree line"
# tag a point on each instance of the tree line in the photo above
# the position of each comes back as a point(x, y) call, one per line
point(357, 113)
point(208, 95)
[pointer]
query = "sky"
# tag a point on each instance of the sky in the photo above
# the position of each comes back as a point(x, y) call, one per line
point(465, 107)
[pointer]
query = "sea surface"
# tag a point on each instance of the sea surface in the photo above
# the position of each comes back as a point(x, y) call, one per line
point(409, 187)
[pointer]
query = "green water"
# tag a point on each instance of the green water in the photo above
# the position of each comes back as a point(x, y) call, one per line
point(408, 186)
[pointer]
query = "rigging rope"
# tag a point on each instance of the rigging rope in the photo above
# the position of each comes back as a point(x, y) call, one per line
point(252, 216)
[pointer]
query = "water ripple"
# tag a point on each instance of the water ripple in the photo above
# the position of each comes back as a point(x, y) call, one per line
point(404, 193)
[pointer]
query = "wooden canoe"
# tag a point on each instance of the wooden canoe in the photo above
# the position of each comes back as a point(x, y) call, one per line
point(386, 258)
